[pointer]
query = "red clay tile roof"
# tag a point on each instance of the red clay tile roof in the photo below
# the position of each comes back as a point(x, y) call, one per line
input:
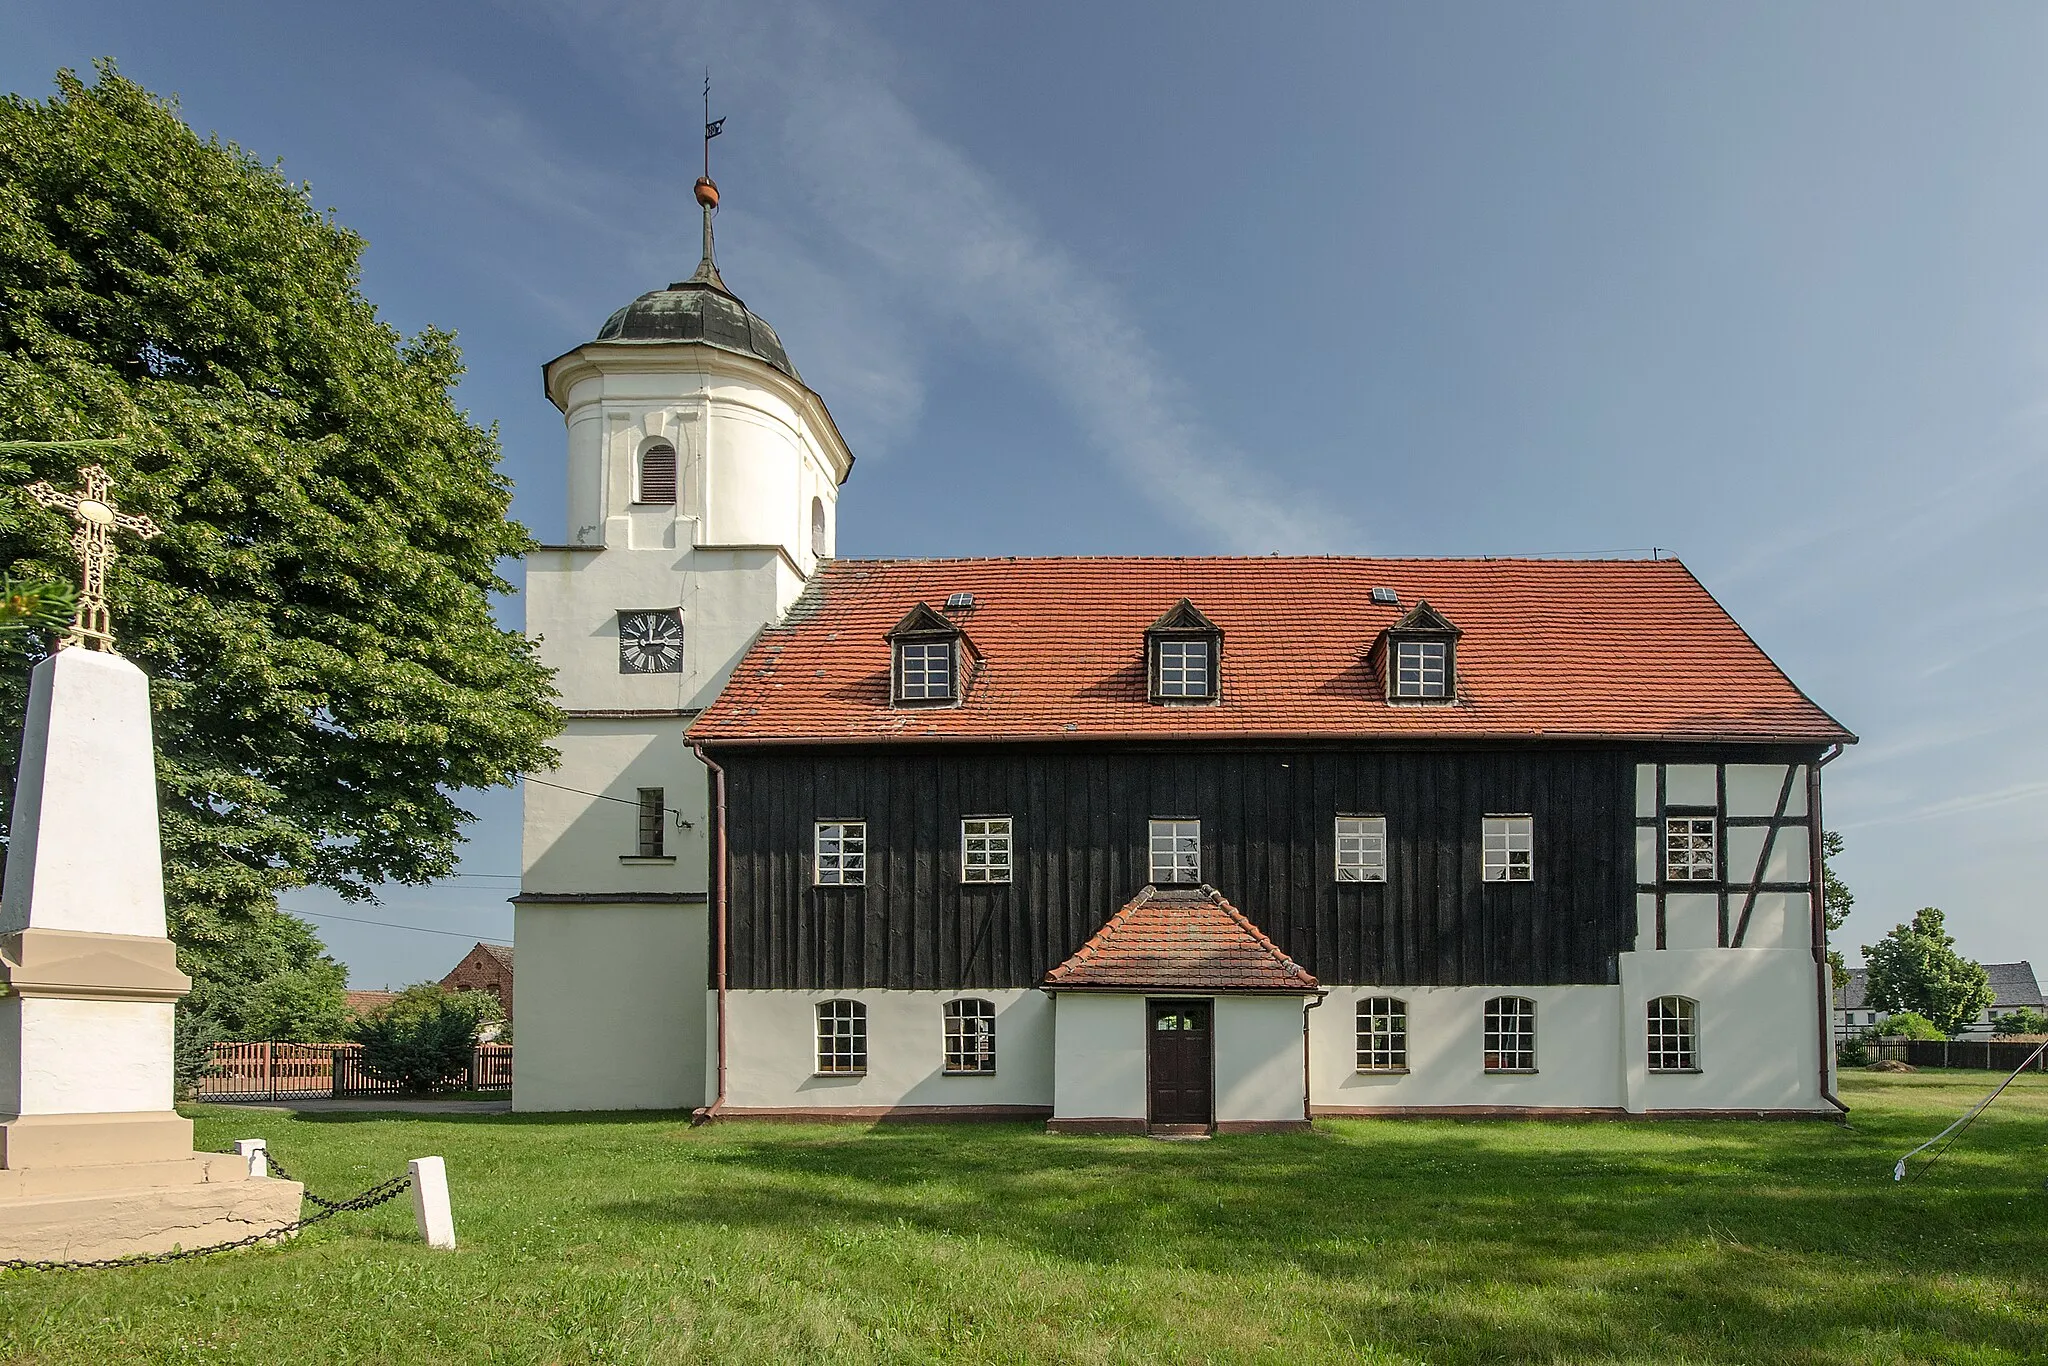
point(1180, 939)
point(1564, 648)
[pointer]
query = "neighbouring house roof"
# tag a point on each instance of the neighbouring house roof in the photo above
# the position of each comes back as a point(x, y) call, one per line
point(1631, 649)
point(1180, 939)
point(2013, 982)
point(501, 952)
point(363, 1002)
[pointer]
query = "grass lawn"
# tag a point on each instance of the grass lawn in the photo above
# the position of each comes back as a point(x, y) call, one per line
point(637, 1238)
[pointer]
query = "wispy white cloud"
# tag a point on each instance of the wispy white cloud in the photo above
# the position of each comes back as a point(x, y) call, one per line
point(2014, 794)
point(917, 214)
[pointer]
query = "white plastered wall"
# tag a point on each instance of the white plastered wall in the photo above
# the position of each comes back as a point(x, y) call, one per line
point(577, 843)
point(771, 1051)
point(1099, 1065)
point(1259, 1073)
point(1578, 1050)
point(1758, 1031)
point(611, 1007)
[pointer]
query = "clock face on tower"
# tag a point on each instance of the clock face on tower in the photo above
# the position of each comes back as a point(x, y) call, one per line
point(651, 642)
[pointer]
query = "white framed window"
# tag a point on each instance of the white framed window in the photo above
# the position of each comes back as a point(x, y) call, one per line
point(658, 473)
point(1184, 668)
point(1361, 848)
point(842, 1038)
point(970, 1038)
point(842, 854)
point(1176, 851)
point(1420, 668)
point(1382, 1034)
point(924, 670)
point(985, 849)
point(1674, 1034)
point(1509, 849)
point(1511, 1034)
point(1689, 849)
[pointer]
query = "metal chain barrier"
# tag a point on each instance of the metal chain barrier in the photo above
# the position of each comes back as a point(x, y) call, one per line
point(376, 1195)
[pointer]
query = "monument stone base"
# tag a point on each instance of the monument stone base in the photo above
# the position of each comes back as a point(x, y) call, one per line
point(126, 1209)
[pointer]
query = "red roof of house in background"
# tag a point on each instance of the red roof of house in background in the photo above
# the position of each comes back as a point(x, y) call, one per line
point(1180, 939)
point(1632, 649)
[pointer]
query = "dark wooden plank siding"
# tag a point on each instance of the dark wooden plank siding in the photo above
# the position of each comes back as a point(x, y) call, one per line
point(1080, 851)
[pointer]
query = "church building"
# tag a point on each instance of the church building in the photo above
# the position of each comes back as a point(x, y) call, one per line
point(1129, 844)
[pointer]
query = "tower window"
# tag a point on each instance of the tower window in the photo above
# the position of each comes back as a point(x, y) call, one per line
point(818, 545)
point(1361, 848)
point(658, 474)
point(1176, 851)
point(924, 671)
point(653, 806)
point(970, 1038)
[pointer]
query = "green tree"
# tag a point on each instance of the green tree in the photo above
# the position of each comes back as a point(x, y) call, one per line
point(1916, 967)
point(1836, 901)
point(423, 1038)
point(32, 605)
point(300, 1005)
point(317, 616)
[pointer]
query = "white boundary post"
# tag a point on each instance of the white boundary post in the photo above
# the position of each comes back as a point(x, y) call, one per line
point(430, 1201)
point(257, 1151)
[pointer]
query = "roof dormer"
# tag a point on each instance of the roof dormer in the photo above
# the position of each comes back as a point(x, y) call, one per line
point(1417, 657)
point(929, 658)
point(1183, 655)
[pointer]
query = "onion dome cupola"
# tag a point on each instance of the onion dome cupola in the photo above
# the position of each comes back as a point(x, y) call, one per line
point(699, 309)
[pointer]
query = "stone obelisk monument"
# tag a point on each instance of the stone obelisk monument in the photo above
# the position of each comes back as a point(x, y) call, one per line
point(94, 1161)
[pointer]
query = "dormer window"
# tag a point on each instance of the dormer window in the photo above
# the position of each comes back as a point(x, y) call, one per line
point(1420, 668)
point(928, 659)
point(1417, 657)
point(924, 671)
point(1184, 651)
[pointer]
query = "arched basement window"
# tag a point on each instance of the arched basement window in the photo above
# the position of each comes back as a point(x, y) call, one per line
point(970, 1037)
point(658, 473)
point(1511, 1034)
point(842, 1037)
point(1674, 1034)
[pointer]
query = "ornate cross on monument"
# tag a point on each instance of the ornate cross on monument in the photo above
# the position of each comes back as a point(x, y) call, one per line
point(97, 519)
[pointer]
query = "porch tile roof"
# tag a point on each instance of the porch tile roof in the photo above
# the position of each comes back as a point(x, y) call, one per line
point(1180, 939)
point(1598, 649)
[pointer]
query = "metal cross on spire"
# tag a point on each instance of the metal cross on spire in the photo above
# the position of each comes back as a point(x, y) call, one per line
point(98, 519)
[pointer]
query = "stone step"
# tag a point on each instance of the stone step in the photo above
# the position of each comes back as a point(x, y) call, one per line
point(126, 1223)
point(197, 1170)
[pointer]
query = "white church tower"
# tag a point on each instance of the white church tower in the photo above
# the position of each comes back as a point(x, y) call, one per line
point(703, 485)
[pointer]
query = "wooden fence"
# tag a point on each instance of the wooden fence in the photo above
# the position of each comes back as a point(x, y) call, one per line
point(1992, 1055)
point(311, 1071)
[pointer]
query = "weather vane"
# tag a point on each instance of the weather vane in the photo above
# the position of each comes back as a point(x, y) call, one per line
point(97, 519)
point(711, 130)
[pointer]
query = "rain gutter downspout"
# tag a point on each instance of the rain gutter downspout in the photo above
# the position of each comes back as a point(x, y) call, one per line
point(1308, 1112)
point(718, 913)
point(1824, 973)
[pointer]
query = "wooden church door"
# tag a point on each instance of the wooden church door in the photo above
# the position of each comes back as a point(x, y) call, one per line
point(1179, 1062)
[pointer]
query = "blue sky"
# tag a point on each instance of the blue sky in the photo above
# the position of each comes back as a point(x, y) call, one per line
point(1759, 284)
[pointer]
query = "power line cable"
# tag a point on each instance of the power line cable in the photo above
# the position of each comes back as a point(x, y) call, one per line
point(681, 823)
point(384, 924)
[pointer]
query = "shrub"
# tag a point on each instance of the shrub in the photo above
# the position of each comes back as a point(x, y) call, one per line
point(1853, 1051)
point(1909, 1024)
point(2025, 1020)
point(424, 1037)
point(194, 1033)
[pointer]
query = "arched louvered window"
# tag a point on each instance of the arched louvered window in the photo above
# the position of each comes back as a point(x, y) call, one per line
point(658, 474)
point(818, 546)
point(970, 1037)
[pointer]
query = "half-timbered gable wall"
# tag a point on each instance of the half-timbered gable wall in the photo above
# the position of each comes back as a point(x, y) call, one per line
point(1080, 849)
